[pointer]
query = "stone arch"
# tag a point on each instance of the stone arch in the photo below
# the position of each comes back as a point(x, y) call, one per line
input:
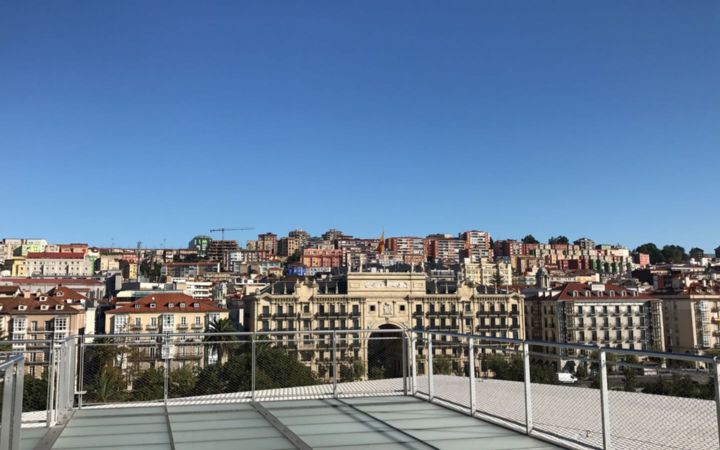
point(385, 352)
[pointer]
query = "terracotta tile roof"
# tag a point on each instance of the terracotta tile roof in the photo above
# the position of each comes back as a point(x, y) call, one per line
point(66, 293)
point(168, 303)
point(54, 255)
point(55, 281)
point(9, 290)
point(36, 305)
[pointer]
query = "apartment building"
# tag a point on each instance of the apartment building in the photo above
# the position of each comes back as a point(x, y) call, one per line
point(444, 248)
point(406, 246)
point(90, 288)
point(692, 317)
point(592, 313)
point(287, 246)
point(382, 300)
point(53, 264)
point(321, 258)
point(167, 313)
point(42, 317)
point(485, 272)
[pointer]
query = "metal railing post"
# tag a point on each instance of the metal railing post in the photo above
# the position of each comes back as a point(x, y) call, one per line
point(430, 368)
point(604, 401)
point(166, 372)
point(81, 371)
point(334, 363)
point(17, 405)
point(413, 349)
point(11, 414)
point(528, 391)
point(716, 381)
point(253, 368)
point(404, 343)
point(49, 419)
point(471, 366)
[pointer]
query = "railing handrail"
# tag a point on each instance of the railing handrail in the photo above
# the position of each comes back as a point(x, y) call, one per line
point(13, 360)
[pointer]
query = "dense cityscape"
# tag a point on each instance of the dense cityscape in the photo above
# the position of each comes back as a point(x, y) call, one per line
point(359, 225)
point(577, 292)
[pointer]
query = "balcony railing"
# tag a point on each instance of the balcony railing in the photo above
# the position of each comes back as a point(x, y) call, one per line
point(519, 384)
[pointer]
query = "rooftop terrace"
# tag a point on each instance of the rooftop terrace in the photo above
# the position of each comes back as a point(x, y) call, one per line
point(260, 392)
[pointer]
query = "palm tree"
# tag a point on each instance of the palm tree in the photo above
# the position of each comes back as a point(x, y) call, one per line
point(217, 338)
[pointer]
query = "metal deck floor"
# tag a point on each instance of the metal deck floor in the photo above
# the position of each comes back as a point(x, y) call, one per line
point(381, 422)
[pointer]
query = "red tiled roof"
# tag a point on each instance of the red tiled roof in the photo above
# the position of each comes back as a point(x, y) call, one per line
point(54, 255)
point(162, 303)
point(56, 281)
point(66, 293)
point(34, 305)
point(582, 292)
point(10, 289)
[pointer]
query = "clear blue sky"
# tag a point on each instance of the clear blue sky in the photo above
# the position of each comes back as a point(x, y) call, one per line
point(150, 120)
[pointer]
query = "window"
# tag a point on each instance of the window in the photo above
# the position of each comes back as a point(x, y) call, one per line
point(197, 320)
point(138, 322)
point(402, 308)
point(153, 321)
point(61, 324)
point(168, 320)
point(372, 308)
point(183, 320)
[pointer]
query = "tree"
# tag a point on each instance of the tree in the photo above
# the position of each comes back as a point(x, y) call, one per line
point(558, 240)
point(697, 253)
point(352, 372)
point(656, 256)
point(34, 393)
point(108, 386)
point(442, 365)
point(506, 369)
point(630, 373)
point(209, 381)
point(218, 339)
point(150, 385)
point(582, 371)
point(530, 239)
point(181, 382)
point(675, 254)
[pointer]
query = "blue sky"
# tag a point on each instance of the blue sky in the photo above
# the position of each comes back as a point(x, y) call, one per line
point(135, 120)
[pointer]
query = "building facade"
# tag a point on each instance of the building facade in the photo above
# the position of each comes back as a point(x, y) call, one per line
point(593, 314)
point(380, 301)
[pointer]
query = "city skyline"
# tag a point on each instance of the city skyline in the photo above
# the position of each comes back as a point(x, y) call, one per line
point(248, 235)
point(581, 119)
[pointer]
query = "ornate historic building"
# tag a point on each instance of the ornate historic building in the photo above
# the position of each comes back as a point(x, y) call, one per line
point(382, 301)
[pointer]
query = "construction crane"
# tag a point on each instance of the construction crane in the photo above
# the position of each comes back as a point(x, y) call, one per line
point(223, 230)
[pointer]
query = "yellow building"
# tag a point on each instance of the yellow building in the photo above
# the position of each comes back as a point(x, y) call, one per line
point(382, 301)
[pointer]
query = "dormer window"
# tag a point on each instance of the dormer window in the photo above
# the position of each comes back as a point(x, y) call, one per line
point(611, 293)
point(182, 305)
point(42, 298)
point(152, 305)
point(137, 306)
point(59, 307)
point(196, 305)
point(59, 294)
point(623, 293)
point(575, 293)
point(43, 307)
point(170, 305)
point(22, 307)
